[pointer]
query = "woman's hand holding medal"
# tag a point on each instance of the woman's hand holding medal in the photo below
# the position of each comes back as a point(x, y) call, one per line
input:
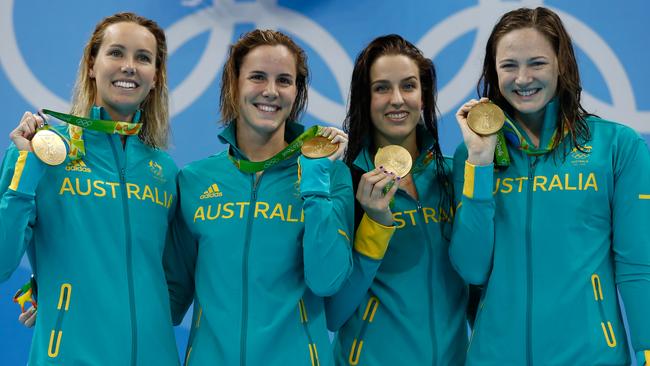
point(331, 143)
point(374, 196)
point(33, 134)
point(25, 131)
point(480, 145)
point(377, 187)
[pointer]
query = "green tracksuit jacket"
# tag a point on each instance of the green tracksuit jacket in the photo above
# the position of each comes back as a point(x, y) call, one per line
point(94, 230)
point(405, 303)
point(552, 238)
point(258, 254)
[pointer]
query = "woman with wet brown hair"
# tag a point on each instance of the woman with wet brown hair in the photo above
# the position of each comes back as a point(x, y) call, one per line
point(266, 229)
point(552, 212)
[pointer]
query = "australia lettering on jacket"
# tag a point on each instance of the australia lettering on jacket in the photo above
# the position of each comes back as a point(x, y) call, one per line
point(542, 183)
point(430, 215)
point(100, 188)
point(239, 210)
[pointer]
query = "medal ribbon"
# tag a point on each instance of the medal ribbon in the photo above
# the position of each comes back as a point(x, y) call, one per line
point(512, 134)
point(422, 161)
point(76, 143)
point(256, 166)
point(27, 293)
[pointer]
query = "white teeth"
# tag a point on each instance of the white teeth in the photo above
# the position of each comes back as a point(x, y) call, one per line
point(525, 93)
point(267, 108)
point(399, 115)
point(125, 84)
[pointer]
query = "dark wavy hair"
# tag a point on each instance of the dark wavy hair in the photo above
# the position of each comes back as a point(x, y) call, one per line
point(358, 123)
point(571, 115)
point(229, 100)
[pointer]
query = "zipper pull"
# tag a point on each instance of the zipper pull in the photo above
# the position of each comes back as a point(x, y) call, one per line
point(531, 167)
point(256, 181)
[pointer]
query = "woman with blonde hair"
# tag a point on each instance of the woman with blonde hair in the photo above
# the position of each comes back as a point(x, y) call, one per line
point(93, 216)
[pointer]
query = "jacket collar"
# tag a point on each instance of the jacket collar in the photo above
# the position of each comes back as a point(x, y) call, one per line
point(229, 136)
point(97, 112)
point(549, 125)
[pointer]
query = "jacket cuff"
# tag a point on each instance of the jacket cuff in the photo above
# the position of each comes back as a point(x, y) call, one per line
point(478, 181)
point(372, 238)
point(314, 176)
point(643, 357)
point(27, 173)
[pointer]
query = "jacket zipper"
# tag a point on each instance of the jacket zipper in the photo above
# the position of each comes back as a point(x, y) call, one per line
point(432, 320)
point(255, 180)
point(529, 263)
point(429, 248)
point(129, 257)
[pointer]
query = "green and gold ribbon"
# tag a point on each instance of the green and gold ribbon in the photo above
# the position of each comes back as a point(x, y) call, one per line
point(77, 148)
point(512, 134)
point(423, 161)
point(247, 166)
point(26, 294)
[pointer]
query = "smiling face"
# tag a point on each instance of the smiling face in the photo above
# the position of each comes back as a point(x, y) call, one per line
point(527, 70)
point(267, 90)
point(124, 69)
point(395, 99)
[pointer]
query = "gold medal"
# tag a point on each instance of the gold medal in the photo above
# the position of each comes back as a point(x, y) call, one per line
point(394, 158)
point(318, 147)
point(485, 118)
point(49, 147)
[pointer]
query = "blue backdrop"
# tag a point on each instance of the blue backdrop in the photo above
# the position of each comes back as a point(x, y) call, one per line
point(41, 43)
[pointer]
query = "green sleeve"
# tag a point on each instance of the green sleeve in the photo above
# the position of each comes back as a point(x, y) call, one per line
point(631, 237)
point(472, 243)
point(21, 173)
point(179, 261)
point(326, 190)
point(370, 244)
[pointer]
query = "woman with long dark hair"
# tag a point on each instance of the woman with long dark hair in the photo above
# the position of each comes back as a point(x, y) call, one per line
point(403, 304)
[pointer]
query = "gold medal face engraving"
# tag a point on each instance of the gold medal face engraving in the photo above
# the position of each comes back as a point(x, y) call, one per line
point(485, 118)
point(394, 158)
point(318, 147)
point(49, 147)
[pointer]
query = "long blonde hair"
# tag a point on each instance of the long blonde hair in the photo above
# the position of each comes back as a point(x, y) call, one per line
point(155, 107)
